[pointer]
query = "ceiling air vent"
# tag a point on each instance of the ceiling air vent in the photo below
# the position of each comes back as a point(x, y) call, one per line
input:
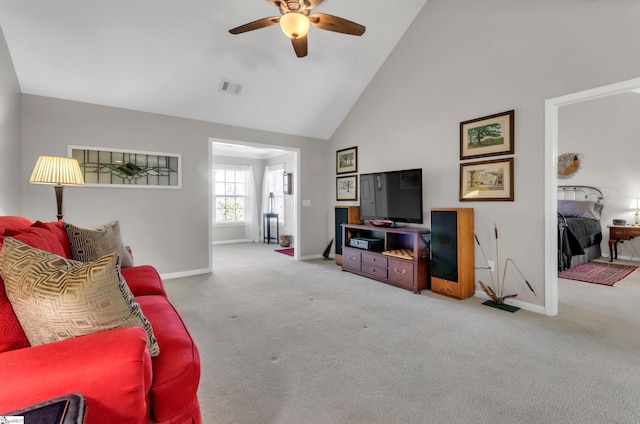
point(227, 86)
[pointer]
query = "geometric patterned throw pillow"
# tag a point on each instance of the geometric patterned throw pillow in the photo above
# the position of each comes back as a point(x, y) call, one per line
point(89, 244)
point(56, 298)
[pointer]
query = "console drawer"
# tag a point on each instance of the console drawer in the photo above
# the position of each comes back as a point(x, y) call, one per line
point(375, 259)
point(374, 271)
point(351, 259)
point(401, 272)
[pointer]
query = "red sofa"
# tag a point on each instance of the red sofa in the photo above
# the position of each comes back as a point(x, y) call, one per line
point(113, 370)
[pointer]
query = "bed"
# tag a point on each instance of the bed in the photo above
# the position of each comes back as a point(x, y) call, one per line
point(579, 228)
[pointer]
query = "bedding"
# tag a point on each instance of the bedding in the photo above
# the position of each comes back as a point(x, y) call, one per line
point(581, 238)
point(579, 227)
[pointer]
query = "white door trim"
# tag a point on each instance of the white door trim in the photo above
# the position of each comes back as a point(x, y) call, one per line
point(551, 180)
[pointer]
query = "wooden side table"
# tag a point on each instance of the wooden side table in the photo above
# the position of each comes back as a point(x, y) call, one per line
point(618, 233)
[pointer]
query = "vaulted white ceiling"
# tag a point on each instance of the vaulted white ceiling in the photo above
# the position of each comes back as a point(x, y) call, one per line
point(169, 57)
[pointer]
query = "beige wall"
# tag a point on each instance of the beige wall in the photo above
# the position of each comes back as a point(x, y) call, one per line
point(464, 59)
point(167, 228)
point(9, 134)
point(288, 160)
point(460, 59)
point(236, 232)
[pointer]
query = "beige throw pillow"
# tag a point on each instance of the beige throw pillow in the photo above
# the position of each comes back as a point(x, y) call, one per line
point(56, 298)
point(89, 244)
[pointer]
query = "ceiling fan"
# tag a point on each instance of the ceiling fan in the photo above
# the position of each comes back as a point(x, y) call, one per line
point(295, 22)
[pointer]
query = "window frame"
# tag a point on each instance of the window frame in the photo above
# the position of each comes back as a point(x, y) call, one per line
point(236, 169)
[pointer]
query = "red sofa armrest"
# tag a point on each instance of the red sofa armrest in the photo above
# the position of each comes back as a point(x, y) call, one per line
point(144, 280)
point(111, 369)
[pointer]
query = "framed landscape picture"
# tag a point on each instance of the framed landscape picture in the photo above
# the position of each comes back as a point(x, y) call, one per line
point(347, 160)
point(347, 188)
point(490, 180)
point(487, 136)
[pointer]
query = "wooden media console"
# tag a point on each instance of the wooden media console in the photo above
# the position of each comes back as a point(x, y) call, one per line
point(401, 259)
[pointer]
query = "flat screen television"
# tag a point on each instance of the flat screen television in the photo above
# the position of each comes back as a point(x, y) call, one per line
point(392, 196)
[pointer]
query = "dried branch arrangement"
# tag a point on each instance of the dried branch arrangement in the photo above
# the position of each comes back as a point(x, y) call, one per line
point(496, 290)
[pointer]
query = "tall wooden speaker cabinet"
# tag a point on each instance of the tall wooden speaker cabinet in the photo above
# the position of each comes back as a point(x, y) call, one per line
point(344, 215)
point(452, 257)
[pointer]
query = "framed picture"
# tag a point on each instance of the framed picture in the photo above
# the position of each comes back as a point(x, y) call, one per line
point(487, 136)
point(347, 188)
point(490, 180)
point(105, 167)
point(347, 160)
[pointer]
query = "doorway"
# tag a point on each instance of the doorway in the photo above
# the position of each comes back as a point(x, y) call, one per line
point(552, 107)
point(253, 158)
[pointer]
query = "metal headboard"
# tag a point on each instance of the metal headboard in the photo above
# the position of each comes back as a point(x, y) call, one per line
point(580, 193)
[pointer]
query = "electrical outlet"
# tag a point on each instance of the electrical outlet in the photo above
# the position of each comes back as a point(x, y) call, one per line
point(490, 265)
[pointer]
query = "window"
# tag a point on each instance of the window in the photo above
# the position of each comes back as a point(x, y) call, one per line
point(229, 194)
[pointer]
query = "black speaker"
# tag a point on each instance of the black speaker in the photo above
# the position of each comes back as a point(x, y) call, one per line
point(342, 217)
point(444, 245)
point(452, 252)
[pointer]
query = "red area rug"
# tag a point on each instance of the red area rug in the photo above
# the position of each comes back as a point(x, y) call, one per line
point(288, 251)
point(598, 273)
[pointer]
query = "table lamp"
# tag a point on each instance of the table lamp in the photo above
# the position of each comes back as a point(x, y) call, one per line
point(59, 172)
point(634, 205)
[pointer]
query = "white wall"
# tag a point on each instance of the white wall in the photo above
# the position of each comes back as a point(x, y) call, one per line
point(236, 232)
point(605, 132)
point(9, 134)
point(464, 59)
point(288, 160)
point(167, 228)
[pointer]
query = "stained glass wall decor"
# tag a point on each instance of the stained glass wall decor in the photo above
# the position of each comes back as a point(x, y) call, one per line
point(128, 168)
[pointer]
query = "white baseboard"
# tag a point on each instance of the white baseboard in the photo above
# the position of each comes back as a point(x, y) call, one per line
point(308, 258)
point(231, 241)
point(181, 274)
point(626, 258)
point(522, 305)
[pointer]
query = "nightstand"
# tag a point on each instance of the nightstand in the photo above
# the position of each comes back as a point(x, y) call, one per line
point(618, 233)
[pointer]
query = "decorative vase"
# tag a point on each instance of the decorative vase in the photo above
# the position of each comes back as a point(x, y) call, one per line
point(285, 240)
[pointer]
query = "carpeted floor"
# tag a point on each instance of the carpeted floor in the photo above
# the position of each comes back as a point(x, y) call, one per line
point(604, 273)
point(291, 342)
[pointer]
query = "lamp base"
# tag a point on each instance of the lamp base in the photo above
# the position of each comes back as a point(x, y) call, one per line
point(58, 189)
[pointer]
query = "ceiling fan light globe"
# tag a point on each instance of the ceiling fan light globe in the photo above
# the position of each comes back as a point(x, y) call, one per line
point(294, 25)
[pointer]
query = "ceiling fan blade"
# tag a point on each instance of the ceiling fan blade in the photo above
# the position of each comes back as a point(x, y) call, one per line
point(336, 24)
point(260, 23)
point(300, 46)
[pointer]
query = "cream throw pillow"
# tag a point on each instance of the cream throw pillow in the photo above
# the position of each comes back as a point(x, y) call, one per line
point(56, 298)
point(89, 244)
